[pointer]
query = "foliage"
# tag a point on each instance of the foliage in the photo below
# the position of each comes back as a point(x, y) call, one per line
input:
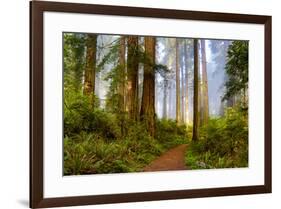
point(103, 139)
point(73, 49)
point(170, 134)
point(93, 153)
point(223, 143)
point(98, 147)
point(111, 57)
point(237, 69)
point(113, 97)
point(81, 114)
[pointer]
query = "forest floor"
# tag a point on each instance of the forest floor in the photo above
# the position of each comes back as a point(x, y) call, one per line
point(173, 159)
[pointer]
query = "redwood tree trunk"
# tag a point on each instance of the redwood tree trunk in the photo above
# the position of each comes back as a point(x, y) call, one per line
point(182, 89)
point(195, 99)
point(122, 62)
point(165, 98)
point(177, 83)
point(147, 112)
point(171, 106)
point(121, 86)
point(200, 107)
point(186, 84)
point(90, 71)
point(205, 97)
point(132, 83)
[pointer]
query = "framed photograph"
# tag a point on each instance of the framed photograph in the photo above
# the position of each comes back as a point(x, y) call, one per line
point(138, 104)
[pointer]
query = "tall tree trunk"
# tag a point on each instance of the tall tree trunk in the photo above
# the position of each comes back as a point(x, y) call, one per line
point(132, 71)
point(171, 114)
point(90, 71)
point(200, 106)
point(177, 83)
point(204, 84)
point(121, 86)
point(186, 83)
point(165, 98)
point(147, 112)
point(122, 62)
point(182, 89)
point(195, 99)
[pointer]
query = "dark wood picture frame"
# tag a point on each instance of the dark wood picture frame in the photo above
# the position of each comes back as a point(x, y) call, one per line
point(37, 9)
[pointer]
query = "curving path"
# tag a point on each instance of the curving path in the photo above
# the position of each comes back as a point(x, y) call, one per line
point(173, 159)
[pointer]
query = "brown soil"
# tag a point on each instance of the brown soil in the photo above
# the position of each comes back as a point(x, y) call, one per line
point(173, 159)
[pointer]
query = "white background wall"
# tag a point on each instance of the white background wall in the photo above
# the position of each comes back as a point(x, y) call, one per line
point(14, 104)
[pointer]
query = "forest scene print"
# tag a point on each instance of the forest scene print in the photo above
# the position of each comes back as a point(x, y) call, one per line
point(144, 103)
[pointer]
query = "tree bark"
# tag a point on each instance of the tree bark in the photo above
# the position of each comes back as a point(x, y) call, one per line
point(182, 89)
point(200, 107)
point(132, 83)
point(171, 110)
point(177, 84)
point(90, 71)
point(147, 112)
point(165, 98)
point(122, 62)
point(195, 99)
point(121, 86)
point(204, 84)
point(186, 84)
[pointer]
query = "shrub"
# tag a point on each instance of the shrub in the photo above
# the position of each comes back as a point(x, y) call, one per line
point(78, 158)
point(222, 143)
point(80, 115)
point(99, 141)
point(87, 153)
point(170, 134)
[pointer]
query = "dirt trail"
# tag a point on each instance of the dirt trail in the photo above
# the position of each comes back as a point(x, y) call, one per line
point(173, 159)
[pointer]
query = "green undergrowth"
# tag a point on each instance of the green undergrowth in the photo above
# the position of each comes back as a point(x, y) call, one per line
point(223, 143)
point(89, 153)
point(97, 141)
